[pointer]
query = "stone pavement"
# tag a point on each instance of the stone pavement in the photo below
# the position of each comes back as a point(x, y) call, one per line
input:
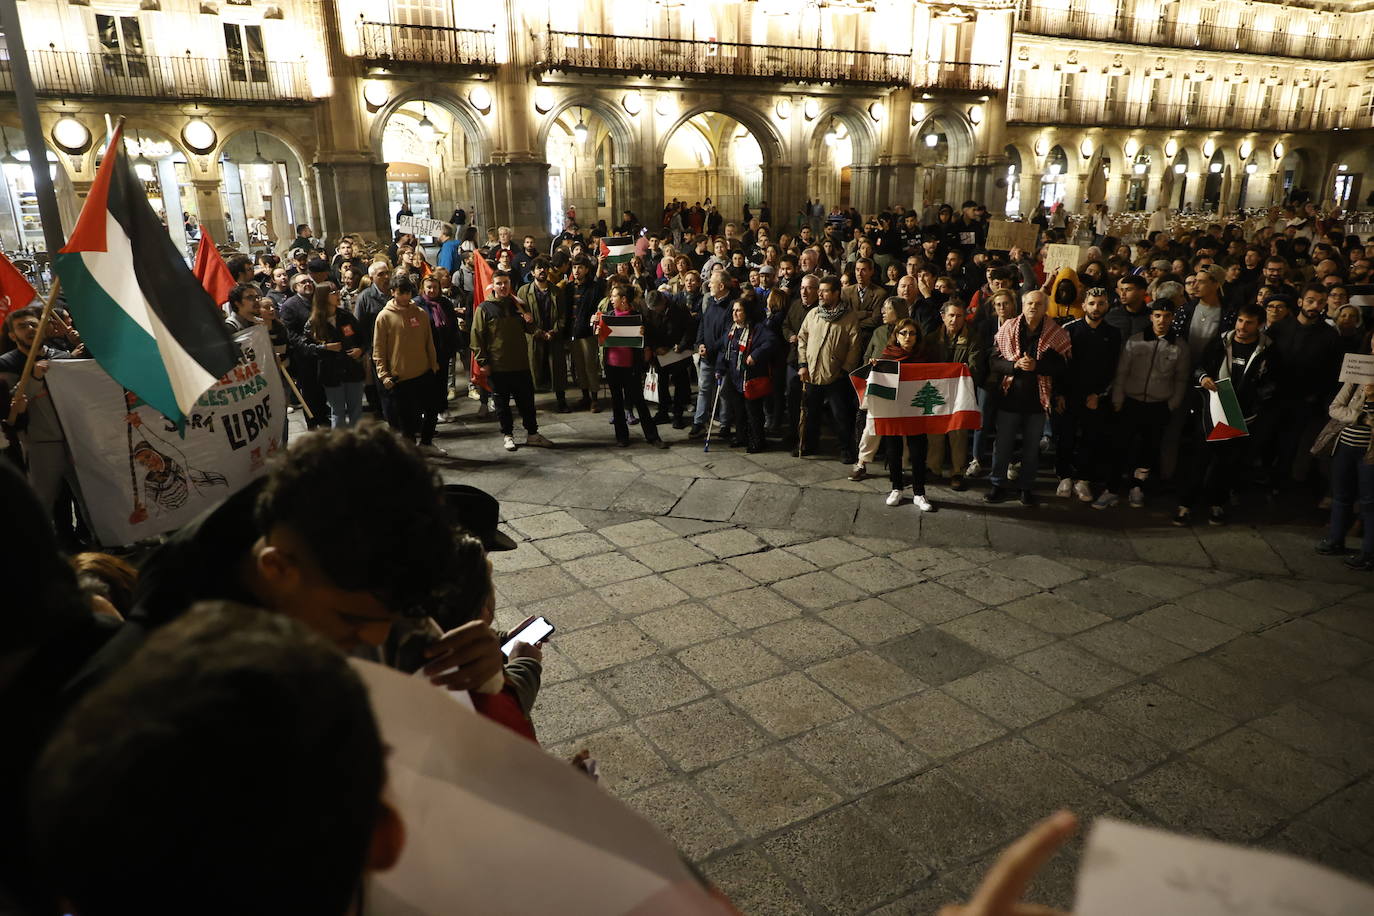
point(837, 707)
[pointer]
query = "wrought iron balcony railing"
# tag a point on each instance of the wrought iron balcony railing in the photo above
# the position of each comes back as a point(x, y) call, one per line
point(1159, 31)
point(1099, 112)
point(679, 57)
point(100, 75)
point(385, 43)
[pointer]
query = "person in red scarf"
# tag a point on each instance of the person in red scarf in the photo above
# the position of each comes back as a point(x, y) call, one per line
point(1029, 351)
point(744, 368)
point(906, 346)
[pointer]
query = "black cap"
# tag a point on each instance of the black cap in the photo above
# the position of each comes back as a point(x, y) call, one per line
point(318, 266)
point(478, 513)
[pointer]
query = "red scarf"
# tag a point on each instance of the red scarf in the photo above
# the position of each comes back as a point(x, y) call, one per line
point(1052, 336)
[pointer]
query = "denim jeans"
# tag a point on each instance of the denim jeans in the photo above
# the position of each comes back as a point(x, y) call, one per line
point(1352, 493)
point(706, 395)
point(1031, 426)
point(345, 403)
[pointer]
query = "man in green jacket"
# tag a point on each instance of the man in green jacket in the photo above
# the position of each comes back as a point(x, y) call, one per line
point(547, 302)
point(500, 326)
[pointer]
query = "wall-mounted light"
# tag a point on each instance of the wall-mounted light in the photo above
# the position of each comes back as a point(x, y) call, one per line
point(877, 111)
point(1246, 148)
point(1042, 146)
point(1171, 147)
point(543, 99)
point(1085, 149)
point(1131, 148)
point(632, 102)
point(975, 114)
point(1278, 151)
point(480, 98)
point(783, 109)
point(811, 109)
point(1342, 167)
point(665, 105)
point(1180, 169)
point(1208, 147)
point(376, 94)
point(72, 136)
point(199, 136)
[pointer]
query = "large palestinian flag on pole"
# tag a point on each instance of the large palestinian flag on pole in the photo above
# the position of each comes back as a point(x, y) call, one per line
point(911, 399)
point(141, 312)
point(1224, 419)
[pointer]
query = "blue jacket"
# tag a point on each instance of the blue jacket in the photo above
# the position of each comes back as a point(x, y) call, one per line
point(715, 321)
point(763, 345)
point(450, 257)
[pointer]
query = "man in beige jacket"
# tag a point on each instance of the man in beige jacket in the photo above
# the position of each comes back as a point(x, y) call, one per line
point(828, 349)
point(403, 351)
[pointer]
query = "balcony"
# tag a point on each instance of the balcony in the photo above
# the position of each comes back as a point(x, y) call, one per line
point(387, 44)
point(71, 74)
point(1102, 113)
point(1157, 32)
point(591, 52)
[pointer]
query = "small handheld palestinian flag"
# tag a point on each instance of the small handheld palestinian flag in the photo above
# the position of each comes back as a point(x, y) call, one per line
point(617, 249)
point(913, 399)
point(142, 313)
point(1224, 418)
point(621, 331)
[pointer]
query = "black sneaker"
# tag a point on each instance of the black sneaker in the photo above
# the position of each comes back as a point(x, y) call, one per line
point(696, 432)
point(681, 423)
point(997, 495)
point(1029, 499)
point(1182, 517)
point(1217, 516)
point(1328, 549)
point(1361, 561)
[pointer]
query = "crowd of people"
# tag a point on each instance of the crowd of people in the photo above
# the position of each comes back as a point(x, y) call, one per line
point(162, 680)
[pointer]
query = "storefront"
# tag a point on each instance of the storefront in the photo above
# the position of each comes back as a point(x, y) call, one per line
point(407, 187)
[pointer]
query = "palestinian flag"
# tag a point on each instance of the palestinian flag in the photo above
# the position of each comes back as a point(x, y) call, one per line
point(911, 399)
point(142, 313)
point(621, 331)
point(1224, 419)
point(211, 270)
point(617, 249)
point(15, 291)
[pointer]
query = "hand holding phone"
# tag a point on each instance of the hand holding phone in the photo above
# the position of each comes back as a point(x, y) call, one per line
point(531, 633)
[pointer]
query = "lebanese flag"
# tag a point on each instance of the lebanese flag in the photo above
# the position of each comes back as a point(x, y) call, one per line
point(481, 278)
point(617, 248)
point(211, 270)
point(1224, 419)
point(913, 399)
point(143, 315)
point(15, 290)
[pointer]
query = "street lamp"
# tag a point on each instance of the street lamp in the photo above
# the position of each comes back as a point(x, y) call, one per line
point(426, 126)
point(932, 140)
point(580, 130)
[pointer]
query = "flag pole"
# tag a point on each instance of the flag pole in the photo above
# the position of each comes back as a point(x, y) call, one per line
point(39, 337)
point(292, 382)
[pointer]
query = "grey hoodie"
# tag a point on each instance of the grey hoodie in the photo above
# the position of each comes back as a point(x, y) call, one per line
point(1152, 370)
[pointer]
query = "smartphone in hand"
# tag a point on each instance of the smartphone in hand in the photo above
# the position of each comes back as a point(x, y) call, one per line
point(531, 633)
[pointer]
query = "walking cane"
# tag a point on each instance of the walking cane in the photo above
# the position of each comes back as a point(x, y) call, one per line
point(801, 423)
point(711, 418)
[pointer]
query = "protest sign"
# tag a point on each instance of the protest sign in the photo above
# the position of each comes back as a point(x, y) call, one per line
point(139, 475)
point(1058, 257)
point(419, 225)
point(1358, 368)
point(1004, 235)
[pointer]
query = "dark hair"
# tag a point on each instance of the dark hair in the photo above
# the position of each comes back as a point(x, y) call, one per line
point(467, 585)
point(238, 263)
point(239, 291)
point(1162, 304)
point(109, 576)
point(830, 280)
point(404, 284)
point(1135, 280)
point(399, 513)
point(539, 263)
point(249, 769)
point(317, 266)
point(301, 226)
point(28, 311)
point(1250, 310)
point(1314, 288)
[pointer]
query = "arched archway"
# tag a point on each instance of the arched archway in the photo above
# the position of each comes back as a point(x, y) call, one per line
point(841, 138)
point(745, 149)
point(1052, 180)
point(1297, 173)
point(1015, 167)
point(1143, 168)
point(1214, 183)
point(942, 146)
point(265, 188)
point(582, 139)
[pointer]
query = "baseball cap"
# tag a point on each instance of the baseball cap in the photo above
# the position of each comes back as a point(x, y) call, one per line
point(478, 513)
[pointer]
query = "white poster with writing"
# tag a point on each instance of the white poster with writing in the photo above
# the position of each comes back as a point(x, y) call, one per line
point(139, 475)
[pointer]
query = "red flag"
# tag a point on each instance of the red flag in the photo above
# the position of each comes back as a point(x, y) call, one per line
point(481, 377)
point(15, 291)
point(481, 278)
point(211, 270)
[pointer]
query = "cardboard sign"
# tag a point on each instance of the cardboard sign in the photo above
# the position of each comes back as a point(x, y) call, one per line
point(1004, 235)
point(1058, 257)
point(1358, 368)
point(419, 225)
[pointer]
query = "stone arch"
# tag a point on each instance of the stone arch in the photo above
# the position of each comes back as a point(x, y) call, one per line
point(757, 123)
point(299, 185)
point(475, 133)
point(863, 133)
point(958, 131)
point(617, 122)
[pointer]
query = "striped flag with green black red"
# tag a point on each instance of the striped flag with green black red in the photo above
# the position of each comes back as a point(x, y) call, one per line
point(1224, 419)
point(617, 249)
point(142, 313)
point(621, 331)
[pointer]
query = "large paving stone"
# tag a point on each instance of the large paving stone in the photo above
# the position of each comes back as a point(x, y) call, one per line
point(766, 790)
point(713, 500)
point(854, 755)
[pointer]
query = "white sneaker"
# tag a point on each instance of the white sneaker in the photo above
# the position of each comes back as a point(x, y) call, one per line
point(474, 394)
point(1107, 500)
point(508, 443)
point(1065, 488)
point(1137, 497)
point(859, 472)
point(1014, 470)
point(894, 498)
point(538, 441)
point(1084, 491)
point(921, 503)
point(433, 451)
point(974, 469)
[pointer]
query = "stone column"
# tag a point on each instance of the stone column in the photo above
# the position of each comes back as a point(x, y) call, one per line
point(628, 183)
point(514, 194)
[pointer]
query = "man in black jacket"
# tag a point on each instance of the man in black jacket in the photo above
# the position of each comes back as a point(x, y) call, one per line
point(715, 318)
point(1081, 412)
point(1245, 356)
point(584, 294)
point(367, 306)
point(1308, 352)
point(670, 332)
point(294, 313)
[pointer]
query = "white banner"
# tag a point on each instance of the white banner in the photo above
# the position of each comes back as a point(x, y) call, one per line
point(139, 477)
point(419, 225)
